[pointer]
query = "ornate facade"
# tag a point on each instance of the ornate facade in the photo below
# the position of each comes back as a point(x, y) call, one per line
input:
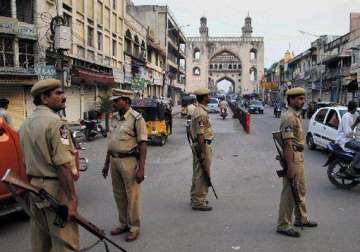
point(240, 60)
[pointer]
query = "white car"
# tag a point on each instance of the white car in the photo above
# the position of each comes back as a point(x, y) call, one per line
point(213, 105)
point(324, 125)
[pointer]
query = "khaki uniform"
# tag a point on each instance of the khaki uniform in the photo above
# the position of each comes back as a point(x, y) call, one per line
point(291, 128)
point(126, 133)
point(222, 104)
point(46, 144)
point(190, 109)
point(200, 125)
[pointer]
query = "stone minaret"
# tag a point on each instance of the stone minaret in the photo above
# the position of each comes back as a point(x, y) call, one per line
point(204, 30)
point(247, 28)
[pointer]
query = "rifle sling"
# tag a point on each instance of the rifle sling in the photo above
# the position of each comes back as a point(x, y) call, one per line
point(23, 204)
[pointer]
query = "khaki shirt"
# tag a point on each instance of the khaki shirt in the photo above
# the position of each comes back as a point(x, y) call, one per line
point(127, 131)
point(222, 104)
point(291, 127)
point(46, 143)
point(200, 123)
point(191, 109)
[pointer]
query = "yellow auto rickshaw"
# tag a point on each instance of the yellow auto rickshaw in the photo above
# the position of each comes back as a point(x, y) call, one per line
point(158, 119)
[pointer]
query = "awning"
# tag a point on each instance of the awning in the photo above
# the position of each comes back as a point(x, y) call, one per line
point(93, 77)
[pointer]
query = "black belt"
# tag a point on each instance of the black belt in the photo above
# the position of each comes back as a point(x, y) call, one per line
point(208, 141)
point(42, 177)
point(122, 155)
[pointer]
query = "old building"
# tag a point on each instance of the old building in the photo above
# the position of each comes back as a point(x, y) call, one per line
point(94, 62)
point(18, 47)
point(167, 32)
point(239, 60)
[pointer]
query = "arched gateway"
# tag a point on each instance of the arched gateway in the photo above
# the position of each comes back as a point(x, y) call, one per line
point(239, 60)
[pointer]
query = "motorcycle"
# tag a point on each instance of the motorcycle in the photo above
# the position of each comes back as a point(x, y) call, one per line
point(223, 113)
point(337, 163)
point(92, 128)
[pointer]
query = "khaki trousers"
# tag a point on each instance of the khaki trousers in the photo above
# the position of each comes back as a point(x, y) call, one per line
point(126, 191)
point(287, 204)
point(43, 222)
point(199, 188)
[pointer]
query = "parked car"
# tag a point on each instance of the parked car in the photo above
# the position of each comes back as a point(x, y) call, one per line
point(213, 105)
point(256, 107)
point(324, 126)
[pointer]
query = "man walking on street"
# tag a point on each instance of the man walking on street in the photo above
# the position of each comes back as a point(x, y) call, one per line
point(203, 136)
point(293, 138)
point(4, 104)
point(50, 159)
point(127, 155)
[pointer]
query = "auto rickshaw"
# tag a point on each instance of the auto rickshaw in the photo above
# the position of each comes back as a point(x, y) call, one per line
point(185, 101)
point(158, 119)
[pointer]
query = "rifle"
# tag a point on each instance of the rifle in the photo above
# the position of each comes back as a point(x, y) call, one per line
point(197, 150)
point(279, 144)
point(61, 210)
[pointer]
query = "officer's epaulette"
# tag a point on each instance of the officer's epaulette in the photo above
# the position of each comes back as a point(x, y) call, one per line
point(135, 114)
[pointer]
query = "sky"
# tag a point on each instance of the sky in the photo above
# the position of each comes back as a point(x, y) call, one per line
point(278, 21)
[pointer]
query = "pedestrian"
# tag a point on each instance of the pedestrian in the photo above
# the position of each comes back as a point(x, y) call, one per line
point(293, 138)
point(126, 154)
point(49, 157)
point(203, 136)
point(4, 104)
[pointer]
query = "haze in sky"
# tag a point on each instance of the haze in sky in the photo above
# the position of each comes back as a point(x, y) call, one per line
point(278, 21)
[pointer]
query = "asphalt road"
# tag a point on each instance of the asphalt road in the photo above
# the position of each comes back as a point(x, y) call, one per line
point(243, 219)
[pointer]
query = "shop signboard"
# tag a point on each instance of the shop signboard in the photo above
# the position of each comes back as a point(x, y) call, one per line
point(13, 26)
point(118, 75)
point(46, 72)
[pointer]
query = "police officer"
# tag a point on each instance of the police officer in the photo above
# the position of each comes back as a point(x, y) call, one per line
point(127, 154)
point(293, 137)
point(50, 161)
point(203, 136)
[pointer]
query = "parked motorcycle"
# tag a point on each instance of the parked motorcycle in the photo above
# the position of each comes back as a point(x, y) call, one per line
point(92, 128)
point(337, 163)
point(223, 113)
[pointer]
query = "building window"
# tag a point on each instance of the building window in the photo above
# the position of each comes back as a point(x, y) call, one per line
point(230, 66)
point(253, 74)
point(114, 4)
point(136, 46)
point(99, 13)
point(26, 53)
point(156, 59)
point(215, 66)
point(149, 56)
point(25, 11)
point(211, 66)
point(143, 50)
point(128, 42)
point(196, 55)
point(6, 52)
point(5, 9)
point(90, 36)
point(196, 71)
point(220, 66)
point(114, 51)
point(234, 67)
point(253, 54)
point(100, 41)
point(67, 19)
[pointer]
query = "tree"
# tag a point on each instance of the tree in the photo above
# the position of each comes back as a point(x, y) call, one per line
point(106, 108)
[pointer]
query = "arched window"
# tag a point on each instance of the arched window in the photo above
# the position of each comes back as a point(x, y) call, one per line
point(211, 66)
point(128, 42)
point(220, 66)
point(253, 74)
point(253, 53)
point(136, 46)
point(196, 55)
point(234, 66)
point(196, 71)
point(230, 66)
point(215, 66)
